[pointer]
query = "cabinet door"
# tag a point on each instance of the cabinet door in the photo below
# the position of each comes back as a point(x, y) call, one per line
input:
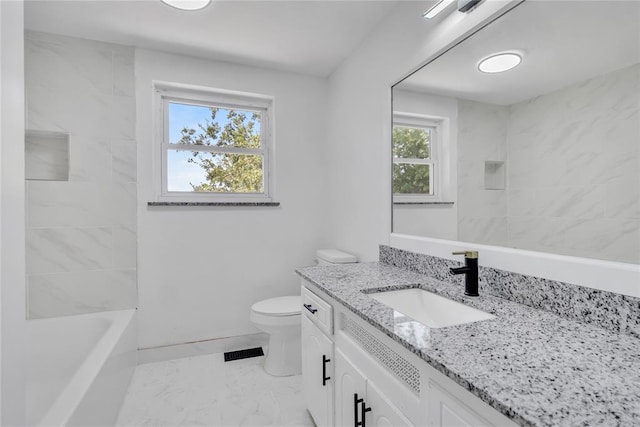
point(350, 386)
point(383, 413)
point(317, 373)
point(447, 411)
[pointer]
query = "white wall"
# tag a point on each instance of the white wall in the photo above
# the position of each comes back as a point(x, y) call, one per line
point(201, 268)
point(12, 233)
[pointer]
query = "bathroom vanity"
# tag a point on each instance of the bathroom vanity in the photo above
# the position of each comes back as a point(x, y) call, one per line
point(367, 364)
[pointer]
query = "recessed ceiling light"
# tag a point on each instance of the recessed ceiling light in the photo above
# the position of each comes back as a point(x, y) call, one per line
point(187, 4)
point(500, 62)
point(437, 8)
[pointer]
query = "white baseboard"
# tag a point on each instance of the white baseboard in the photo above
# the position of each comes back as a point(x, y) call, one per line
point(199, 348)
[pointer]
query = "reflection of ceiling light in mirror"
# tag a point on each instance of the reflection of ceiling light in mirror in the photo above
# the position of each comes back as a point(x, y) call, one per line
point(500, 62)
point(437, 8)
point(187, 4)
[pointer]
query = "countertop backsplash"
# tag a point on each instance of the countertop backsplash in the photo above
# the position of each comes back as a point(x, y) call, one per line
point(616, 312)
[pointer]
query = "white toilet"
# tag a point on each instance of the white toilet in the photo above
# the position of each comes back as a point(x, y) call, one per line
point(280, 318)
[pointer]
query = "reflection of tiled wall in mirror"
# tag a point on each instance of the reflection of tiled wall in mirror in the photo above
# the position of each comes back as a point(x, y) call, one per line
point(572, 163)
point(482, 133)
point(574, 168)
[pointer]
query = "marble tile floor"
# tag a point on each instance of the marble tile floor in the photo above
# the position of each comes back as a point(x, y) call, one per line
point(207, 391)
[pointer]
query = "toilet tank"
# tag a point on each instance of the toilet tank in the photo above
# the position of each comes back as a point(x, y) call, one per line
point(334, 256)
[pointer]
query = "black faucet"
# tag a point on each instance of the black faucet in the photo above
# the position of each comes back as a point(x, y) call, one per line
point(470, 270)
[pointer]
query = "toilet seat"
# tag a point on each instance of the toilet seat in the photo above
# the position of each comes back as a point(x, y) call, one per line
point(277, 321)
point(278, 307)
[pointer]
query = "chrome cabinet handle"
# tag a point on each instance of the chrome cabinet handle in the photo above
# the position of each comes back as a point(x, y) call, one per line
point(310, 308)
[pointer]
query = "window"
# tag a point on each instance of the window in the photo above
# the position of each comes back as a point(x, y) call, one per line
point(216, 146)
point(416, 163)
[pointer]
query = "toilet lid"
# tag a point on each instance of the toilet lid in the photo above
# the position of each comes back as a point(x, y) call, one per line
point(280, 306)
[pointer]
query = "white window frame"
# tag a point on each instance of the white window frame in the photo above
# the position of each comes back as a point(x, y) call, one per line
point(436, 160)
point(165, 93)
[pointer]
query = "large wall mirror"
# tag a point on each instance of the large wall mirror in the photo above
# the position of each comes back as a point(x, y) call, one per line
point(544, 156)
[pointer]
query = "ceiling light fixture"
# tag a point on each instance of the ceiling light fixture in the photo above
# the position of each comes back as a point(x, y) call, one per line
point(436, 9)
point(499, 62)
point(187, 4)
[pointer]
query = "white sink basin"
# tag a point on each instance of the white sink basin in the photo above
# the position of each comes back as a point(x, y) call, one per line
point(430, 309)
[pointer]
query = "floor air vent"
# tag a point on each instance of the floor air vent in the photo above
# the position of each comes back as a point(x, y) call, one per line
point(243, 354)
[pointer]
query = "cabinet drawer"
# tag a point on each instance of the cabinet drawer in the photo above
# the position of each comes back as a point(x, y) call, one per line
point(319, 311)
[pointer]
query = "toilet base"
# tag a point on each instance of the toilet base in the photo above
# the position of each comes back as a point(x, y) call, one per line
point(284, 355)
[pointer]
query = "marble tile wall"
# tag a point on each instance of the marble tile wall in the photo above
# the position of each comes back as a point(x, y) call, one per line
point(46, 156)
point(81, 232)
point(616, 312)
point(573, 171)
point(482, 136)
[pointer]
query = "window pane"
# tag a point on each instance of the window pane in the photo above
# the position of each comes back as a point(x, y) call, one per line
point(411, 143)
point(214, 172)
point(220, 127)
point(411, 179)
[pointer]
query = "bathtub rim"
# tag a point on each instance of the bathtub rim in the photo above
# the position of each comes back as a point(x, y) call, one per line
point(80, 382)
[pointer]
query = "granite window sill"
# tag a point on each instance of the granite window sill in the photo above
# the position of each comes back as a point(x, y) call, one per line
point(423, 203)
point(216, 204)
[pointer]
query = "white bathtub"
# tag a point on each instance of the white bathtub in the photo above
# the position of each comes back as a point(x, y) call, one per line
point(79, 368)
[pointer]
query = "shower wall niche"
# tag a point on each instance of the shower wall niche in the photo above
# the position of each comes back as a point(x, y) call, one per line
point(81, 176)
point(46, 155)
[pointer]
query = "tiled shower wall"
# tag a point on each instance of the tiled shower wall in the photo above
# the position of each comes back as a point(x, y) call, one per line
point(81, 232)
point(572, 170)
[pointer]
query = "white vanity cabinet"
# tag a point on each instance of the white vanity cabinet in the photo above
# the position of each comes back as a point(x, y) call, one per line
point(383, 412)
point(447, 411)
point(377, 382)
point(351, 385)
point(359, 402)
point(449, 405)
point(317, 375)
point(317, 358)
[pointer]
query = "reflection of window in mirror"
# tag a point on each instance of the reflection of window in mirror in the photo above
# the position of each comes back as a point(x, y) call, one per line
point(417, 160)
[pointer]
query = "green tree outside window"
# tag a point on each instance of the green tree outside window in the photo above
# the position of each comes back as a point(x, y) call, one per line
point(227, 172)
point(411, 177)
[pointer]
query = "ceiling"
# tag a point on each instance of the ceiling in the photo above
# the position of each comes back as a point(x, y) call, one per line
point(564, 42)
point(306, 36)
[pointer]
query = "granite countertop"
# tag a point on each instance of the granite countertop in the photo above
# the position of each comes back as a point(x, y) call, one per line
point(533, 366)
